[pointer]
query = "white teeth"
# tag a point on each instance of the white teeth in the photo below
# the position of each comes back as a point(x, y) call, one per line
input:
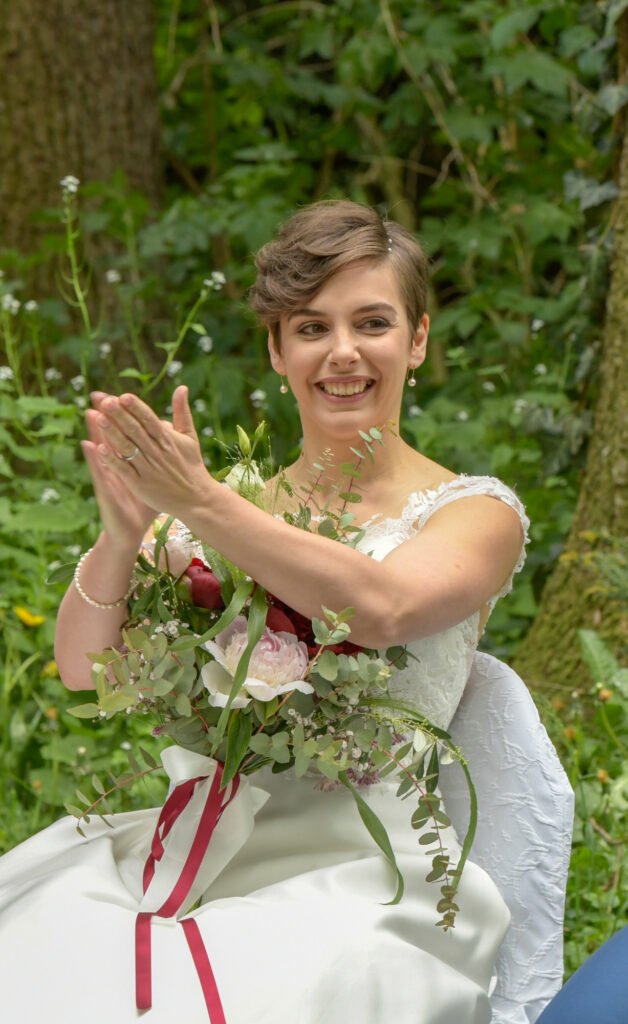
point(356, 388)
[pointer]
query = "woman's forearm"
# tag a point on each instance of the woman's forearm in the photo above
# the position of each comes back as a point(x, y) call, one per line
point(304, 569)
point(81, 628)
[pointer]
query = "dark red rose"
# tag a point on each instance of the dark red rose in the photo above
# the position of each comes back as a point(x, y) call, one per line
point(204, 586)
point(279, 622)
point(302, 626)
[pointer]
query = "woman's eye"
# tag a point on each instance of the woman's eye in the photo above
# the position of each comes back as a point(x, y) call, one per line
point(312, 329)
point(375, 323)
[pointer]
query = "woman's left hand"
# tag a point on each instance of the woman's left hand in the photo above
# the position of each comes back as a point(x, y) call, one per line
point(168, 473)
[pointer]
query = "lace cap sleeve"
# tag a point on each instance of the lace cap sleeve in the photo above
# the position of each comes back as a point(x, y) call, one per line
point(469, 486)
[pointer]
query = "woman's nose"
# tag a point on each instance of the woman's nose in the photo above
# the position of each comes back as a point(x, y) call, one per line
point(344, 346)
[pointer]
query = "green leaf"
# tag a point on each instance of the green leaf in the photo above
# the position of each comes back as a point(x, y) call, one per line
point(148, 758)
point(378, 833)
point(84, 711)
point(238, 736)
point(255, 627)
point(183, 706)
point(327, 666)
point(98, 786)
point(350, 496)
point(136, 374)
point(600, 661)
point(506, 29)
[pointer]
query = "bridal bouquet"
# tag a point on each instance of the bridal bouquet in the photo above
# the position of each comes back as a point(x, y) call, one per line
point(229, 671)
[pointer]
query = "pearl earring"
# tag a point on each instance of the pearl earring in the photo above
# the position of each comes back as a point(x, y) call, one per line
point(284, 389)
point(410, 379)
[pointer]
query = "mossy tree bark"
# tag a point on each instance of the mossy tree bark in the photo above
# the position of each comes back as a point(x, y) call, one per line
point(550, 654)
point(78, 96)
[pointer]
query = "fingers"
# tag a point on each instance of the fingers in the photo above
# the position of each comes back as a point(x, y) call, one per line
point(182, 420)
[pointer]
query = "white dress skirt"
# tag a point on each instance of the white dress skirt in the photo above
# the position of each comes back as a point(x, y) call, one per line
point(294, 913)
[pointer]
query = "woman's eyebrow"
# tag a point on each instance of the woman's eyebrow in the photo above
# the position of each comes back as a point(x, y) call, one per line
point(370, 308)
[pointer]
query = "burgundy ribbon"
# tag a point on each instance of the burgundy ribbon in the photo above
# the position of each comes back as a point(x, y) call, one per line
point(176, 803)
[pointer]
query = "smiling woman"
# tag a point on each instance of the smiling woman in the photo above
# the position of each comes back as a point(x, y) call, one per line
point(342, 294)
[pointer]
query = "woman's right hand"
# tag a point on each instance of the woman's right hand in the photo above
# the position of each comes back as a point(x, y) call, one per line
point(124, 518)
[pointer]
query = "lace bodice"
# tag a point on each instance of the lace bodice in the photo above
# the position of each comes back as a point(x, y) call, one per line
point(434, 682)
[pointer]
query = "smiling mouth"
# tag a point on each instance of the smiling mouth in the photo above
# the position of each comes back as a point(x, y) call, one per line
point(356, 387)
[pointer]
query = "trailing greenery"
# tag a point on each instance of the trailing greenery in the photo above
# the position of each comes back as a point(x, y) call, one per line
point(484, 126)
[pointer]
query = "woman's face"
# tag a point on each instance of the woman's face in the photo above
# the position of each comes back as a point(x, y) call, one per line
point(347, 351)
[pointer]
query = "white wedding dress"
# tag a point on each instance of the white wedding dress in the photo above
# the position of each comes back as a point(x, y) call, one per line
point(295, 916)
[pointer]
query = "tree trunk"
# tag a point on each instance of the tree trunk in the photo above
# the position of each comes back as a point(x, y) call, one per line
point(550, 655)
point(78, 96)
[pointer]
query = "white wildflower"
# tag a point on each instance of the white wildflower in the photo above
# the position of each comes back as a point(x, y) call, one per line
point(207, 432)
point(415, 410)
point(488, 386)
point(80, 401)
point(6, 373)
point(537, 325)
point(207, 461)
point(113, 276)
point(200, 405)
point(540, 369)
point(49, 494)
point(104, 349)
point(78, 382)
point(125, 745)
point(73, 550)
point(10, 303)
point(81, 751)
point(52, 373)
point(519, 405)
point(175, 366)
point(462, 415)
point(258, 397)
point(31, 306)
point(205, 343)
point(70, 184)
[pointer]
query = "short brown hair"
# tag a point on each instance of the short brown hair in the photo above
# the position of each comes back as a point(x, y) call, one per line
point(322, 239)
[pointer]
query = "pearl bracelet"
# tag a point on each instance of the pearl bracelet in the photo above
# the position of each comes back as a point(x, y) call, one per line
point(90, 600)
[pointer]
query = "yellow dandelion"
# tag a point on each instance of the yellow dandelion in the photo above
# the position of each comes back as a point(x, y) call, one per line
point(51, 713)
point(602, 775)
point(27, 617)
point(50, 670)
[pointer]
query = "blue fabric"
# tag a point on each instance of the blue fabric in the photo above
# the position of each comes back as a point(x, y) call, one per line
point(598, 991)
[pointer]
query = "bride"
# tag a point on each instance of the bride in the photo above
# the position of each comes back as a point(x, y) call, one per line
point(296, 926)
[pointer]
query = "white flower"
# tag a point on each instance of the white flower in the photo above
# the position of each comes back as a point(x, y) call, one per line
point(73, 550)
point(258, 397)
point(207, 432)
point(52, 373)
point(49, 494)
point(245, 479)
point(174, 368)
point(519, 405)
point(540, 369)
point(113, 276)
point(6, 373)
point(415, 410)
point(205, 343)
point(537, 325)
point(125, 745)
point(215, 281)
point(70, 184)
point(488, 386)
point(31, 306)
point(78, 382)
point(462, 415)
point(200, 405)
point(10, 303)
point(278, 663)
point(104, 349)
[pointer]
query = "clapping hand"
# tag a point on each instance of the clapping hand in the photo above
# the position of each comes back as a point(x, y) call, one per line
point(159, 464)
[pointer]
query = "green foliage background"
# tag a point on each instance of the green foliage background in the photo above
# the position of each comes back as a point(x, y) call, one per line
point(485, 126)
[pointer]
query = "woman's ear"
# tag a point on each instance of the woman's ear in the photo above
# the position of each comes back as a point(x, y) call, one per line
point(418, 349)
point(276, 359)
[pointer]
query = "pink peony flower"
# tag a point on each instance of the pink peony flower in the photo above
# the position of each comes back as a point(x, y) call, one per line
point(278, 664)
